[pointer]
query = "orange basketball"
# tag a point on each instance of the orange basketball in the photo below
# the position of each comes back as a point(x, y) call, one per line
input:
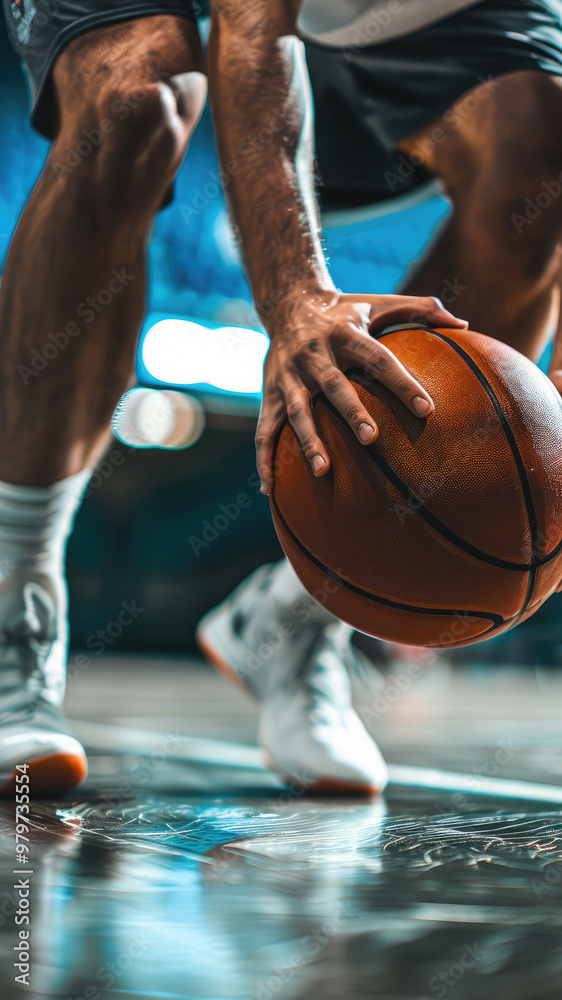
point(447, 530)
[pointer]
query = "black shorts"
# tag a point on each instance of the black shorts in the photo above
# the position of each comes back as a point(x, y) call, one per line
point(40, 29)
point(370, 99)
point(367, 100)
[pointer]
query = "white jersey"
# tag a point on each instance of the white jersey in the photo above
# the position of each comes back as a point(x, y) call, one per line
point(351, 23)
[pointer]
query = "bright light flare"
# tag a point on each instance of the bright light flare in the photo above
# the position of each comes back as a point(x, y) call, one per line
point(156, 418)
point(181, 352)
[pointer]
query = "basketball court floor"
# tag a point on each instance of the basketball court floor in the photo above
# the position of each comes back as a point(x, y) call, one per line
point(184, 869)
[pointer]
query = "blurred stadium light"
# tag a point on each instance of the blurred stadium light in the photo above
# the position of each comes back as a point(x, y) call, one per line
point(193, 352)
point(152, 418)
point(220, 360)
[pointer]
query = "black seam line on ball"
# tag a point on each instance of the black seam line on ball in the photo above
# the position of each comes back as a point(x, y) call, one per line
point(496, 620)
point(422, 510)
point(522, 472)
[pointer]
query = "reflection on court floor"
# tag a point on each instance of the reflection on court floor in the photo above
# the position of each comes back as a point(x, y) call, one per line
point(213, 880)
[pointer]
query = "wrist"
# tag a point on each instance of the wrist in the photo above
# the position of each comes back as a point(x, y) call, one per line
point(280, 310)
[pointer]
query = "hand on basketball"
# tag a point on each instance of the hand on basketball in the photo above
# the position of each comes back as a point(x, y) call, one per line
point(314, 339)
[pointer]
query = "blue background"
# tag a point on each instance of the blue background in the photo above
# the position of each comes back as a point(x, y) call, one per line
point(132, 537)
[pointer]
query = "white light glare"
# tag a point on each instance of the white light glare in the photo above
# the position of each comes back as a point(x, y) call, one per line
point(180, 352)
point(155, 418)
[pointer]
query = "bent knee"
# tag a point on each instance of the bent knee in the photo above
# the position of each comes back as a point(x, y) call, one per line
point(126, 144)
point(526, 147)
point(480, 137)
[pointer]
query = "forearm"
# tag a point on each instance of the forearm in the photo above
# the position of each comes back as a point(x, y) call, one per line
point(258, 85)
point(261, 103)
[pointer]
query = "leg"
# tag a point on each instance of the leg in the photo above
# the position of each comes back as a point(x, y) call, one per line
point(284, 648)
point(76, 269)
point(498, 258)
point(71, 305)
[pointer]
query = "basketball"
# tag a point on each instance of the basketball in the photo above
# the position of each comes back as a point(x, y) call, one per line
point(446, 530)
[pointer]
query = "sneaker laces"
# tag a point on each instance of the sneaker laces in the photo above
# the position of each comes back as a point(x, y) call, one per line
point(30, 677)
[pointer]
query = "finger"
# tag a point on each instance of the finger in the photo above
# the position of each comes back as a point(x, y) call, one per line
point(556, 378)
point(341, 393)
point(299, 415)
point(389, 309)
point(383, 365)
point(426, 312)
point(265, 443)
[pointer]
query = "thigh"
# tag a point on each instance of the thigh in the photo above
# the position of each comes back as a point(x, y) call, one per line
point(43, 31)
point(499, 154)
point(372, 98)
point(505, 135)
point(123, 61)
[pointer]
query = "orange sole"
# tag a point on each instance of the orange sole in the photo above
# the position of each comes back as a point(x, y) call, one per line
point(331, 786)
point(322, 786)
point(49, 776)
point(221, 666)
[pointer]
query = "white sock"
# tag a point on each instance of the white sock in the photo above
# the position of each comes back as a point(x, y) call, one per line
point(35, 524)
point(36, 521)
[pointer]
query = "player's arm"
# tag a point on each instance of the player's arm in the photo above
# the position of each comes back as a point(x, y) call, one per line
point(259, 92)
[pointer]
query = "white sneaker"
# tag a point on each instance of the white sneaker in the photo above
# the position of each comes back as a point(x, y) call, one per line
point(294, 658)
point(32, 685)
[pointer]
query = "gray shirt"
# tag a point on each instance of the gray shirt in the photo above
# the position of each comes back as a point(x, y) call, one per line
point(366, 22)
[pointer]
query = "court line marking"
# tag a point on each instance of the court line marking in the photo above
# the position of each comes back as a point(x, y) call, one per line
point(201, 750)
